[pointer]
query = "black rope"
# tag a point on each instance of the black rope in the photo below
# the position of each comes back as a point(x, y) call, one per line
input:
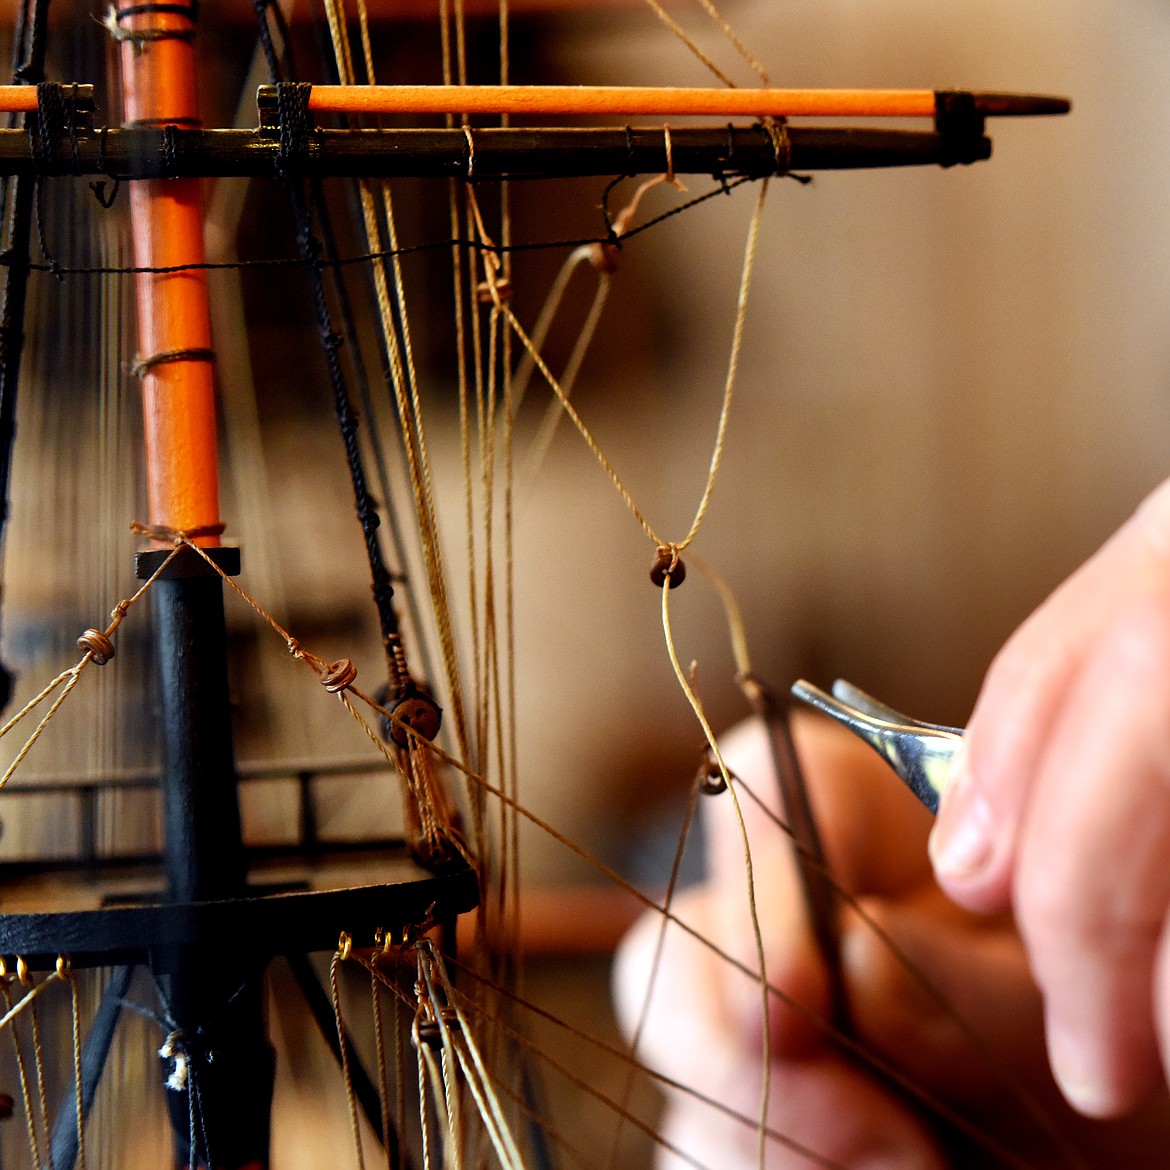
point(292, 102)
point(7, 260)
point(294, 128)
point(378, 449)
point(54, 120)
point(263, 8)
point(31, 40)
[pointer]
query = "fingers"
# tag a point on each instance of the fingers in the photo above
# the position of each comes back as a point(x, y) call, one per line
point(822, 1108)
point(948, 998)
point(973, 846)
point(974, 1038)
point(1092, 882)
point(691, 1033)
point(1061, 808)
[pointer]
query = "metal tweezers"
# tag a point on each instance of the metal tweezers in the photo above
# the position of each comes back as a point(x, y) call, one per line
point(921, 753)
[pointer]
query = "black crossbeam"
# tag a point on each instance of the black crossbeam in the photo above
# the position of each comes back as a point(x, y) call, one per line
point(135, 152)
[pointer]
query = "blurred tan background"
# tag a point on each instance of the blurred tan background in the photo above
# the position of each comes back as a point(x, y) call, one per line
point(954, 384)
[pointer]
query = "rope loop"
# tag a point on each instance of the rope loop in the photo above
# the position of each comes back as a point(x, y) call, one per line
point(53, 121)
point(175, 535)
point(340, 676)
point(140, 38)
point(292, 113)
point(97, 645)
point(98, 187)
point(190, 11)
point(141, 366)
point(776, 130)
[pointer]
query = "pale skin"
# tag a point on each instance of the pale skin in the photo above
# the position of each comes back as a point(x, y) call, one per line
point(1061, 810)
point(1058, 820)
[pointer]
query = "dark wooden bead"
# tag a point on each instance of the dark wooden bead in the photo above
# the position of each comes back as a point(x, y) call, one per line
point(668, 565)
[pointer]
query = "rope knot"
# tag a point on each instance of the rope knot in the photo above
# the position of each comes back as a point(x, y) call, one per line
point(668, 569)
point(174, 1049)
point(604, 255)
point(493, 292)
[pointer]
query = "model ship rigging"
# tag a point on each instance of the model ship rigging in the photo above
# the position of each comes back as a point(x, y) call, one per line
point(209, 909)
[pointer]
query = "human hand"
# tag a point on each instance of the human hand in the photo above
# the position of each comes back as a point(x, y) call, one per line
point(1060, 808)
point(704, 1025)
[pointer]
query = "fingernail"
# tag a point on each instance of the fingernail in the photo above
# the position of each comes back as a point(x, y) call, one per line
point(1073, 1068)
point(961, 843)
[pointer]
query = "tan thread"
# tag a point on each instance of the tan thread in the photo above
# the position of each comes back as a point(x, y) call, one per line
point(752, 63)
point(725, 410)
point(689, 41)
point(593, 1041)
point(749, 873)
point(39, 1059)
point(405, 763)
point(75, 1021)
point(34, 1144)
point(343, 1046)
point(72, 675)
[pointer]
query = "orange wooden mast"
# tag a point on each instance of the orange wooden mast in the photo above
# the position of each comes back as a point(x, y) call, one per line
point(174, 329)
